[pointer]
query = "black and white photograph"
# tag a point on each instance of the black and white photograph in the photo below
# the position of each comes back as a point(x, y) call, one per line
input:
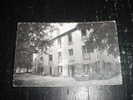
point(65, 54)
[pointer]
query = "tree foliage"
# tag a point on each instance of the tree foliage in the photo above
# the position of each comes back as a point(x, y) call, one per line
point(31, 38)
point(103, 37)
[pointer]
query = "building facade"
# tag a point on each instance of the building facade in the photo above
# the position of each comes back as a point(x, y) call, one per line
point(69, 55)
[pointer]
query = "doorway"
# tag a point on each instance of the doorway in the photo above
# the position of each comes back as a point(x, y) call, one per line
point(60, 70)
point(71, 70)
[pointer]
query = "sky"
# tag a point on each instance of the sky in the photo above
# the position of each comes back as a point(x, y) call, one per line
point(63, 27)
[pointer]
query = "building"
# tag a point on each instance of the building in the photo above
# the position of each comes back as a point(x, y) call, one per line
point(41, 64)
point(69, 56)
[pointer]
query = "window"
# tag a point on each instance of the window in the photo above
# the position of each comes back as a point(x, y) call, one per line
point(85, 68)
point(70, 52)
point(59, 57)
point(70, 38)
point(50, 58)
point(84, 49)
point(59, 69)
point(59, 42)
point(83, 32)
point(41, 58)
point(85, 52)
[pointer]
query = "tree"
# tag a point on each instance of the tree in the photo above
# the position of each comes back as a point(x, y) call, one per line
point(103, 36)
point(31, 38)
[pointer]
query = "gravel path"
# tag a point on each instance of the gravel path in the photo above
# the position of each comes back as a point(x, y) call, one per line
point(30, 80)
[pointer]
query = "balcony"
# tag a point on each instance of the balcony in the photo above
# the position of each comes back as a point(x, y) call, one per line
point(86, 56)
point(71, 60)
point(70, 43)
point(84, 38)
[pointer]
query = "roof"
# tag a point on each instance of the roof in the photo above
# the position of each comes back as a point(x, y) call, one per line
point(65, 33)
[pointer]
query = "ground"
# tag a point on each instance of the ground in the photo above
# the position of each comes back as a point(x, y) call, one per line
point(32, 80)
